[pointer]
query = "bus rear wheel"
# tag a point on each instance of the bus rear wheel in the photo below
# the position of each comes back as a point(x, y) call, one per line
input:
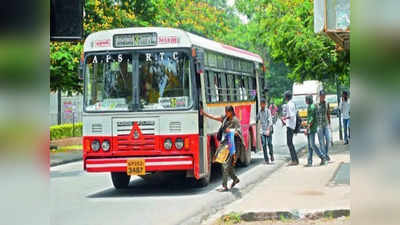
point(120, 180)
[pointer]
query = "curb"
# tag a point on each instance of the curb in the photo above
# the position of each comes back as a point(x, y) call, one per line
point(295, 214)
point(204, 214)
point(64, 162)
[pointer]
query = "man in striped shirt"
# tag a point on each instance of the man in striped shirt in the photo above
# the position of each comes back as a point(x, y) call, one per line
point(324, 120)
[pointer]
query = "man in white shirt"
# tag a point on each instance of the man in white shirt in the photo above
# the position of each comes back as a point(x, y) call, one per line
point(345, 110)
point(290, 120)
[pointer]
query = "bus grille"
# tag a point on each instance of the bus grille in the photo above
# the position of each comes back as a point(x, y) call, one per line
point(125, 142)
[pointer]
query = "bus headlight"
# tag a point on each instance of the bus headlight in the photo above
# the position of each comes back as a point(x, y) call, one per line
point(95, 145)
point(168, 144)
point(105, 145)
point(179, 143)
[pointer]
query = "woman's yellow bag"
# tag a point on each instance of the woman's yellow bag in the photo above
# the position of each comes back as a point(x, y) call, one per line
point(223, 155)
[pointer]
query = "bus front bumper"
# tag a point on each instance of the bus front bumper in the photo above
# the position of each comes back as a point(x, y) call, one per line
point(156, 163)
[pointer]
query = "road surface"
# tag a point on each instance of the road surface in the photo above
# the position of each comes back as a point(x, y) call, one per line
point(80, 198)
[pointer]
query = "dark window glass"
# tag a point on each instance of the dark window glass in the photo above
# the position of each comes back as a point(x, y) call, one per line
point(230, 63)
point(212, 59)
point(231, 83)
point(238, 88)
point(220, 61)
point(108, 82)
point(252, 88)
point(207, 87)
point(223, 94)
point(206, 58)
point(164, 80)
point(213, 86)
point(245, 87)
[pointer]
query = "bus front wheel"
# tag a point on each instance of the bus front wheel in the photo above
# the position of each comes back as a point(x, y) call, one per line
point(120, 179)
point(203, 182)
point(246, 155)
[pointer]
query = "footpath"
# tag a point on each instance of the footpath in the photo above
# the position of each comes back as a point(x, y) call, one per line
point(297, 193)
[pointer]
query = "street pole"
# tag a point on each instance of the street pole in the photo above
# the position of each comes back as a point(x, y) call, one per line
point(339, 113)
point(58, 107)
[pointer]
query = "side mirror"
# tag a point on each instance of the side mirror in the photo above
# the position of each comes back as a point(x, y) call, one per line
point(199, 60)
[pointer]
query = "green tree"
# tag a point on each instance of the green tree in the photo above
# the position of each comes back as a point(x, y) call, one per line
point(209, 18)
point(286, 29)
point(64, 61)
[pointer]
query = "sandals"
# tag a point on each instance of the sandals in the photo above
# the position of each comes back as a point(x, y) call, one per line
point(234, 183)
point(223, 189)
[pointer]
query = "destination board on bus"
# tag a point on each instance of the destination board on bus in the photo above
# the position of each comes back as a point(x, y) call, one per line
point(135, 40)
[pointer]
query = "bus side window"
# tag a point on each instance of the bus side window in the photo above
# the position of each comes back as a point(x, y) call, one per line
point(238, 88)
point(262, 92)
point(224, 94)
point(231, 87)
point(219, 86)
point(207, 86)
point(252, 88)
point(245, 85)
point(213, 86)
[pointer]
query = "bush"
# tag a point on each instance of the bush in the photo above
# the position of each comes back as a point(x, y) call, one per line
point(65, 130)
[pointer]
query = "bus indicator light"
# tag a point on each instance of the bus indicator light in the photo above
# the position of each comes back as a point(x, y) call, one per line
point(187, 143)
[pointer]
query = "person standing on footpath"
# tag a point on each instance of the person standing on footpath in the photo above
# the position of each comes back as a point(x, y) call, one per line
point(311, 130)
point(290, 121)
point(345, 110)
point(324, 120)
point(229, 122)
point(265, 117)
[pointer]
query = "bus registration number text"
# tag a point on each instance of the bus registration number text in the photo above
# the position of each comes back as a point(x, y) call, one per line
point(135, 167)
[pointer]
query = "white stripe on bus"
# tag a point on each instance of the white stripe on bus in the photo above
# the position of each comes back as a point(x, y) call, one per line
point(147, 164)
point(138, 157)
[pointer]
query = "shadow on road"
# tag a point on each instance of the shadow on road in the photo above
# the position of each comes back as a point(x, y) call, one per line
point(170, 184)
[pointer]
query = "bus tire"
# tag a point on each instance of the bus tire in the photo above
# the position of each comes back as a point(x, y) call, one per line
point(203, 182)
point(120, 180)
point(247, 153)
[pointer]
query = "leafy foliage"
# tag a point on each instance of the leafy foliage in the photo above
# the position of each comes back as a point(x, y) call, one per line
point(64, 61)
point(281, 31)
point(286, 28)
point(65, 130)
point(204, 17)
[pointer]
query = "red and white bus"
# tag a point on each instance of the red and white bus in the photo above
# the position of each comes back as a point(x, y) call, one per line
point(142, 93)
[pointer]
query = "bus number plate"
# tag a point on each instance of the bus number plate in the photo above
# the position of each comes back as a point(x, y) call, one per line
point(135, 167)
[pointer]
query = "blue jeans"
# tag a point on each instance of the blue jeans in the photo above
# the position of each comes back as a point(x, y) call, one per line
point(312, 146)
point(346, 127)
point(267, 140)
point(324, 140)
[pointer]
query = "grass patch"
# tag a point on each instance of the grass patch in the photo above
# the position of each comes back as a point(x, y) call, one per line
point(68, 148)
point(231, 218)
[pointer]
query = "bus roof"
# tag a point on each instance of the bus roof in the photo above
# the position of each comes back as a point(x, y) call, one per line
point(166, 38)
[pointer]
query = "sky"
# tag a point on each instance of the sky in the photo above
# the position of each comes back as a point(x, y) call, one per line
point(242, 17)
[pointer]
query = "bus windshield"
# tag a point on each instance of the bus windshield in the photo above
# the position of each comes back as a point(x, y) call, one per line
point(162, 79)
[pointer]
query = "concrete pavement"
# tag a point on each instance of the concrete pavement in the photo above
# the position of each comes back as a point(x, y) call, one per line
point(299, 190)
